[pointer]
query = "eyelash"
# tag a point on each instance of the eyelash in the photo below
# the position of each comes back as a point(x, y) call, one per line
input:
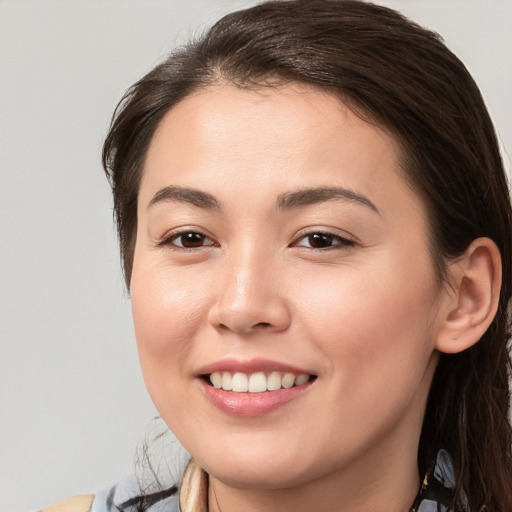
point(336, 241)
point(342, 242)
point(170, 240)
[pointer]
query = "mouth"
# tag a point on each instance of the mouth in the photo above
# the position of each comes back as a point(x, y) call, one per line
point(253, 387)
point(256, 382)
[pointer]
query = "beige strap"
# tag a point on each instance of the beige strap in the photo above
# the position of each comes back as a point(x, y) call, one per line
point(194, 489)
point(80, 503)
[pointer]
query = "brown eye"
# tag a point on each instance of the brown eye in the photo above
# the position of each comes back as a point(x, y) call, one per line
point(190, 240)
point(321, 240)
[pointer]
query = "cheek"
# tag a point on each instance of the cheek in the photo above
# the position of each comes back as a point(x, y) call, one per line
point(372, 323)
point(167, 304)
point(167, 313)
point(376, 336)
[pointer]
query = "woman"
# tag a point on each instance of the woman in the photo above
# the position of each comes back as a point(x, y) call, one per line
point(315, 228)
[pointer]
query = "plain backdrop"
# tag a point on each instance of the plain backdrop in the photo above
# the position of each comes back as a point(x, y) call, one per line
point(72, 401)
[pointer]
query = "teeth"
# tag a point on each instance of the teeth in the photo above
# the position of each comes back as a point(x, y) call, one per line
point(240, 383)
point(274, 381)
point(288, 380)
point(227, 381)
point(256, 382)
point(301, 379)
point(216, 379)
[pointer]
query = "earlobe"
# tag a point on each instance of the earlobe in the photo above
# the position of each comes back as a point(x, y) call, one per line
point(472, 297)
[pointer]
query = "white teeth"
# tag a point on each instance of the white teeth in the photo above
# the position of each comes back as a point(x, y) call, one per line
point(288, 380)
point(301, 379)
point(227, 381)
point(274, 381)
point(240, 383)
point(216, 379)
point(256, 382)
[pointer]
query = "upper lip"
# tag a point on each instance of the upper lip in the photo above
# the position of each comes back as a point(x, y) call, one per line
point(250, 366)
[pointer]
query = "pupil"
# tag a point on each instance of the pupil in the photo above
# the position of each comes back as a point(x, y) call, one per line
point(192, 239)
point(319, 240)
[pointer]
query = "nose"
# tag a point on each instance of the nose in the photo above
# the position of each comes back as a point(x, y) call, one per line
point(250, 296)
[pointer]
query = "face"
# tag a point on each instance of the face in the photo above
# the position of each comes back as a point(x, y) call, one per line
point(281, 256)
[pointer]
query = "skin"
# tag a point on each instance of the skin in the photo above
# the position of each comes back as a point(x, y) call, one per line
point(362, 314)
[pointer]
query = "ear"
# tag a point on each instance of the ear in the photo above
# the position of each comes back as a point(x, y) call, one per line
point(471, 297)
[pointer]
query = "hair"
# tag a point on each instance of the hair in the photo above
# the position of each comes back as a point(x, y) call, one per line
point(401, 76)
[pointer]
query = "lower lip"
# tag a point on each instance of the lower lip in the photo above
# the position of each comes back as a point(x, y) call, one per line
point(252, 404)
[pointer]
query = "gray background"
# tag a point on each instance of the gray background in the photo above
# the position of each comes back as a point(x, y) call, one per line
point(72, 400)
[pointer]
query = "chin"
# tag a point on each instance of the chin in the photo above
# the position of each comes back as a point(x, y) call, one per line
point(259, 476)
point(269, 465)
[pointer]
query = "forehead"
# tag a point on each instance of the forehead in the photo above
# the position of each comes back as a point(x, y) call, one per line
point(240, 141)
point(223, 118)
point(283, 110)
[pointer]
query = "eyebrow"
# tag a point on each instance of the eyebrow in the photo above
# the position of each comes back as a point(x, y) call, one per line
point(286, 201)
point(186, 195)
point(309, 196)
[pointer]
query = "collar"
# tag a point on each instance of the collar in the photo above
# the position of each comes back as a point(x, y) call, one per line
point(438, 489)
point(194, 489)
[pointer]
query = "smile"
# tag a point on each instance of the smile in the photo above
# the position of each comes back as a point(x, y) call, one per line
point(258, 382)
point(253, 387)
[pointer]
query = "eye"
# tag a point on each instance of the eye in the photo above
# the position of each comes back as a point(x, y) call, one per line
point(188, 240)
point(321, 240)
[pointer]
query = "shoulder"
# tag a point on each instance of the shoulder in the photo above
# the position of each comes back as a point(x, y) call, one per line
point(80, 503)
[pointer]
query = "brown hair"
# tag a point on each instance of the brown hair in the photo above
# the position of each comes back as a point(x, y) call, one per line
point(400, 75)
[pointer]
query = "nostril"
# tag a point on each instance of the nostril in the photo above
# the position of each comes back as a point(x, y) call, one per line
point(249, 318)
point(259, 325)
